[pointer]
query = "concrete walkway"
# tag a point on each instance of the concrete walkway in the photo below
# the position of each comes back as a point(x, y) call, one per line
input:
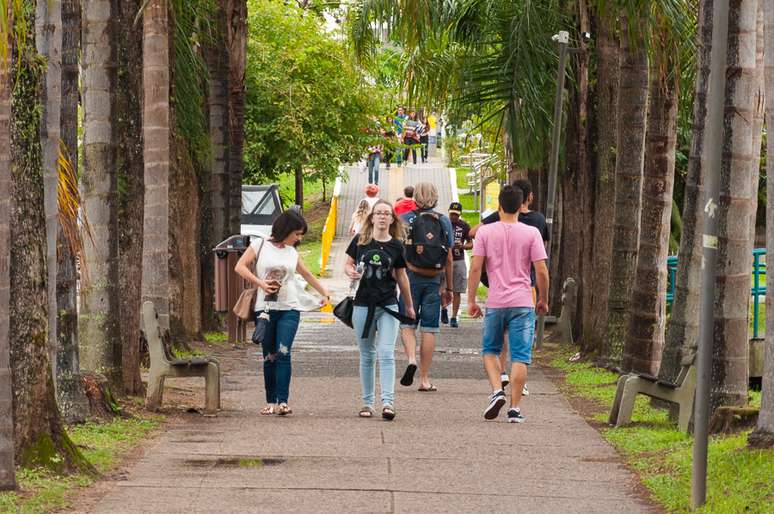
point(438, 455)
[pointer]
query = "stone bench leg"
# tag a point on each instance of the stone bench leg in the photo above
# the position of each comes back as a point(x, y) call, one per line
point(155, 392)
point(613, 419)
point(628, 397)
point(212, 385)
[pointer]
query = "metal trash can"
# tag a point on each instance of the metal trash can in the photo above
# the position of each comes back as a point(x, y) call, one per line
point(229, 285)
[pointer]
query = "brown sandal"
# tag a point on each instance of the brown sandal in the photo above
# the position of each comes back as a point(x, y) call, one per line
point(284, 410)
point(388, 412)
point(268, 410)
point(366, 412)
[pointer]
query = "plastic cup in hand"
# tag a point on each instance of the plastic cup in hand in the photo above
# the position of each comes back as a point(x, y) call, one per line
point(272, 297)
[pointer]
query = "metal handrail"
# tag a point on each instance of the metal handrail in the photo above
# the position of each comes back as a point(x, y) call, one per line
point(756, 291)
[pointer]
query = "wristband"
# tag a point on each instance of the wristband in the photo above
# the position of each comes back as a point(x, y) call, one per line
point(449, 290)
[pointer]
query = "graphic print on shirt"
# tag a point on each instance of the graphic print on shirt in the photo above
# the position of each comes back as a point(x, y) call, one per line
point(377, 265)
point(274, 274)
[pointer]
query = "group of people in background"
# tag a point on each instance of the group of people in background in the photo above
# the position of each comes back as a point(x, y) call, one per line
point(401, 135)
point(411, 247)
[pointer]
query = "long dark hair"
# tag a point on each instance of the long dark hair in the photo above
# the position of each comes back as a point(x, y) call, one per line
point(285, 224)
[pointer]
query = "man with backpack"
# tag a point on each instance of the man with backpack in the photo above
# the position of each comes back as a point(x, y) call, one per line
point(429, 244)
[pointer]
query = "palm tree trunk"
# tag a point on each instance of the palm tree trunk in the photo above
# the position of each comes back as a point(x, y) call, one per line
point(647, 314)
point(7, 466)
point(632, 111)
point(156, 135)
point(605, 114)
point(99, 326)
point(38, 427)
point(758, 109)
point(130, 169)
point(237, 50)
point(48, 36)
point(763, 435)
point(732, 294)
point(683, 328)
point(70, 394)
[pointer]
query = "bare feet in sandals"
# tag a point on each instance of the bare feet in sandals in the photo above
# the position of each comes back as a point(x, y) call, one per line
point(388, 412)
point(284, 410)
point(268, 410)
point(366, 412)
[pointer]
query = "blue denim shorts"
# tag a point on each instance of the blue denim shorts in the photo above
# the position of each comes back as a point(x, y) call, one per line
point(520, 324)
point(427, 304)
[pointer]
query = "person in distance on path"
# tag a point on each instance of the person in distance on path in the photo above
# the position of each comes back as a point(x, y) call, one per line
point(508, 248)
point(462, 242)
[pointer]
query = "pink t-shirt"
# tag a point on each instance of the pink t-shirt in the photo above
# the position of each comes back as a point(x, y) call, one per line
point(509, 249)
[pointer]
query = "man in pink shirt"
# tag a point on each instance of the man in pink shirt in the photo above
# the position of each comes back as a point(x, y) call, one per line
point(509, 248)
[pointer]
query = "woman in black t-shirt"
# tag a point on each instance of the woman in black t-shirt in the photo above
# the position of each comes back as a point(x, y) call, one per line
point(376, 258)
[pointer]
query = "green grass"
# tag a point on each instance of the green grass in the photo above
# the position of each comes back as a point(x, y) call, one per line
point(312, 190)
point(309, 252)
point(216, 338)
point(103, 444)
point(739, 479)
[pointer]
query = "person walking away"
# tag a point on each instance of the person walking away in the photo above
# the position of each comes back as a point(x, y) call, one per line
point(374, 156)
point(274, 276)
point(400, 120)
point(429, 244)
point(459, 284)
point(531, 218)
point(432, 123)
point(359, 217)
point(411, 137)
point(423, 138)
point(406, 203)
point(439, 133)
point(379, 255)
point(390, 140)
point(509, 248)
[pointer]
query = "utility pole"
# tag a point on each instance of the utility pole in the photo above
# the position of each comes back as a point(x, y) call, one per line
point(713, 146)
point(563, 40)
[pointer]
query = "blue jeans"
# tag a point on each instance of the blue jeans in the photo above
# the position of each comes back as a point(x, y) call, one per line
point(520, 323)
point(426, 297)
point(276, 354)
point(373, 168)
point(379, 343)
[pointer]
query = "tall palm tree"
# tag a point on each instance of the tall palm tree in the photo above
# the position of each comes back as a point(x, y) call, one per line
point(48, 37)
point(732, 293)
point(647, 315)
point(71, 398)
point(607, 55)
point(632, 110)
point(7, 466)
point(130, 170)
point(37, 423)
point(683, 326)
point(156, 137)
point(763, 435)
point(236, 39)
point(99, 325)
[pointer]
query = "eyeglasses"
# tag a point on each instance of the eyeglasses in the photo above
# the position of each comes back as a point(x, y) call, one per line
point(388, 214)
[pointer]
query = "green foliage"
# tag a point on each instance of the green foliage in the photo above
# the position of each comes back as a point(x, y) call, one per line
point(307, 104)
point(739, 479)
point(215, 338)
point(43, 490)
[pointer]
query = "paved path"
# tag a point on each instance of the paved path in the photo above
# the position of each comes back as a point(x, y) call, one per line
point(439, 455)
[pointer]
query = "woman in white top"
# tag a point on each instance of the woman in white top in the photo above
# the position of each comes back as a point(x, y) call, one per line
point(278, 292)
point(359, 216)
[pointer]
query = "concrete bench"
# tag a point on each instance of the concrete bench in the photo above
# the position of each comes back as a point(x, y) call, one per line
point(163, 365)
point(681, 392)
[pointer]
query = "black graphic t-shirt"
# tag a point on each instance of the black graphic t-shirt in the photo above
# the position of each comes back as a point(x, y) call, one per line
point(461, 236)
point(379, 259)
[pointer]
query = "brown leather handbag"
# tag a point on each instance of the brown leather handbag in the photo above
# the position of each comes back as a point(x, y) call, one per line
point(244, 308)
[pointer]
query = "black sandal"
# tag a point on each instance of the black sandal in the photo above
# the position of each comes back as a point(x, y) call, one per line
point(388, 413)
point(408, 375)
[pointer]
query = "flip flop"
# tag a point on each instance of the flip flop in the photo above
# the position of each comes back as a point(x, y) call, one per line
point(427, 389)
point(408, 375)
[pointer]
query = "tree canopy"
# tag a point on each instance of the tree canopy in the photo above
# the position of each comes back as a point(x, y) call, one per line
point(308, 105)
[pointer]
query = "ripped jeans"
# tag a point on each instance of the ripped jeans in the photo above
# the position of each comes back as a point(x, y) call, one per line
point(276, 354)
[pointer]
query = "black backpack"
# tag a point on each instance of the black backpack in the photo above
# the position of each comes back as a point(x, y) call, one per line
point(427, 244)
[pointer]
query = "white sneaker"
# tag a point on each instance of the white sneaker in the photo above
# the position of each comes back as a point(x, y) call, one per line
point(524, 390)
point(496, 402)
point(504, 380)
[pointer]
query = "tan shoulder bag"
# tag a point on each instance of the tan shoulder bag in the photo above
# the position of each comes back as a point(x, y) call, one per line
point(245, 304)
